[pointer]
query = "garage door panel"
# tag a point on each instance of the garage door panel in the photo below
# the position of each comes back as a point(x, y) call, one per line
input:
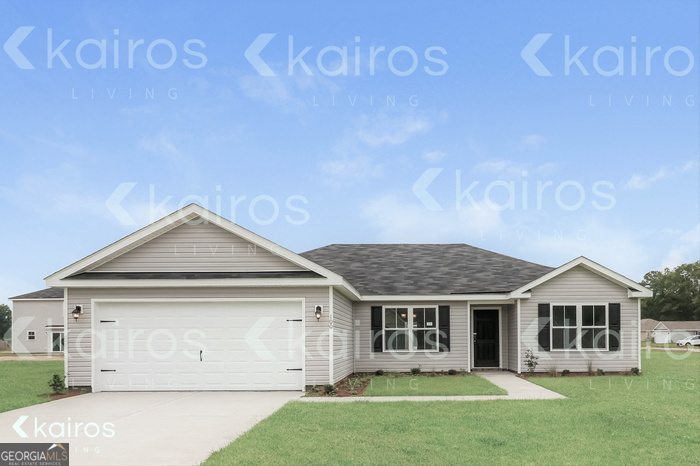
point(199, 346)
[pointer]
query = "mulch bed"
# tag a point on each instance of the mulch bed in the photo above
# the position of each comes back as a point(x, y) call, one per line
point(356, 384)
point(575, 374)
point(68, 394)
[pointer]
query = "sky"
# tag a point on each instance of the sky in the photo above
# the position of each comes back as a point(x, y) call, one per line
point(544, 131)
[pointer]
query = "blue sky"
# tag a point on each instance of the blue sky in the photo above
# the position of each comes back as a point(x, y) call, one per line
point(444, 135)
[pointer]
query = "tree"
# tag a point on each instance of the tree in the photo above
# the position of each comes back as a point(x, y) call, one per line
point(676, 293)
point(5, 320)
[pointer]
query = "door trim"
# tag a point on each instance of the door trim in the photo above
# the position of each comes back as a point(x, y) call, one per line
point(94, 310)
point(484, 307)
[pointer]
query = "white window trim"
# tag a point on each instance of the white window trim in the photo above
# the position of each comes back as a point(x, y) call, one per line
point(51, 333)
point(579, 326)
point(410, 329)
point(31, 335)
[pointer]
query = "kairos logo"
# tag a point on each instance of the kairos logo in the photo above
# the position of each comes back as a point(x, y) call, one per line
point(612, 60)
point(94, 53)
point(358, 60)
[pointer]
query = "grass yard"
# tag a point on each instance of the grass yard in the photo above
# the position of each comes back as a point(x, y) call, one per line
point(652, 419)
point(446, 385)
point(22, 381)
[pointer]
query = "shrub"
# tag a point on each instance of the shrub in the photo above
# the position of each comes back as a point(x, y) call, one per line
point(314, 388)
point(415, 370)
point(552, 370)
point(452, 372)
point(635, 371)
point(379, 372)
point(589, 367)
point(329, 388)
point(531, 361)
point(565, 372)
point(57, 384)
point(600, 372)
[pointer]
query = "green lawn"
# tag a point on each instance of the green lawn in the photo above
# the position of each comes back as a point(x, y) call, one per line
point(22, 381)
point(652, 419)
point(406, 385)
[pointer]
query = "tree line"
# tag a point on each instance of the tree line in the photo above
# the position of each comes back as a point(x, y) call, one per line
point(676, 293)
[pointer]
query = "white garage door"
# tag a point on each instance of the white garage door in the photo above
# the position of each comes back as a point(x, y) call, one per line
point(211, 345)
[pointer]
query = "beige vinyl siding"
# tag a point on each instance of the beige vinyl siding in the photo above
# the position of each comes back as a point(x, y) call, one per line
point(78, 339)
point(367, 361)
point(581, 286)
point(198, 248)
point(512, 336)
point(35, 315)
point(343, 348)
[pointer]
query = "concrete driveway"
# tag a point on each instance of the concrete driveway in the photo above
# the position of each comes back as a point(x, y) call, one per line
point(159, 428)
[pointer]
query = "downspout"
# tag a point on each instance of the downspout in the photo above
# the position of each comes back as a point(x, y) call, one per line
point(639, 332)
point(65, 336)
point(517, 301)
point(330, 335)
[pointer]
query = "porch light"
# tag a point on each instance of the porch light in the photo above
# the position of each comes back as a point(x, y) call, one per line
point(319, 312)
point(77, 311)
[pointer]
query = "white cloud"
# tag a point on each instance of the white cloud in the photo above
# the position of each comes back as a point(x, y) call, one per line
point(434, 156)
point(352, 158)
point(511, 169)
point(380, 130)
point(273, 90)
point(399, 221)
point(640, 181)
point(57, 191)
point(348, 167)
point(685, 249)
point(532, 141)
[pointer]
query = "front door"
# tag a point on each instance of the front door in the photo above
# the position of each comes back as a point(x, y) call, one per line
point(486, 338)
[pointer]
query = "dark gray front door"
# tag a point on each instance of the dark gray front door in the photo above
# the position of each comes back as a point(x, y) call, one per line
point(486, 338)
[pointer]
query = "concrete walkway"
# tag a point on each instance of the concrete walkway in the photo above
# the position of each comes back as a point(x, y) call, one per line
point(517, 388)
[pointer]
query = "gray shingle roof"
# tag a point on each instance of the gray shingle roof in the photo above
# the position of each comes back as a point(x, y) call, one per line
point(425, 269)
point(48, 293)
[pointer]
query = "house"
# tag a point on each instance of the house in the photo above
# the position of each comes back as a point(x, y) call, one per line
point(38, 322)
point(669, 331)
point(196, 302)
point(647, 328)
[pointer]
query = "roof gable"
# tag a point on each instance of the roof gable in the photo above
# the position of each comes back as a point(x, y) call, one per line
point(635, 290)
point(198, 247)
point(191, 215)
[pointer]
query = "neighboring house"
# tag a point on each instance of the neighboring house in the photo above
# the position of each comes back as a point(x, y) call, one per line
point(196, 302)
point(647, 329)
point(37, 322)
point(669, 331)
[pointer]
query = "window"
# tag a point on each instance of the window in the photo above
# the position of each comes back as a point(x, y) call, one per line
point(593, 327)
point(563, 327)
point(424, 328)
point(31, 335)
point(57, 341)
point(410, 329)
point(579, 327)
point(396, 328)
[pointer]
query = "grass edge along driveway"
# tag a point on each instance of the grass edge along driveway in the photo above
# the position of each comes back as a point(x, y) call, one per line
point(648, 419)
point(21, 382)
